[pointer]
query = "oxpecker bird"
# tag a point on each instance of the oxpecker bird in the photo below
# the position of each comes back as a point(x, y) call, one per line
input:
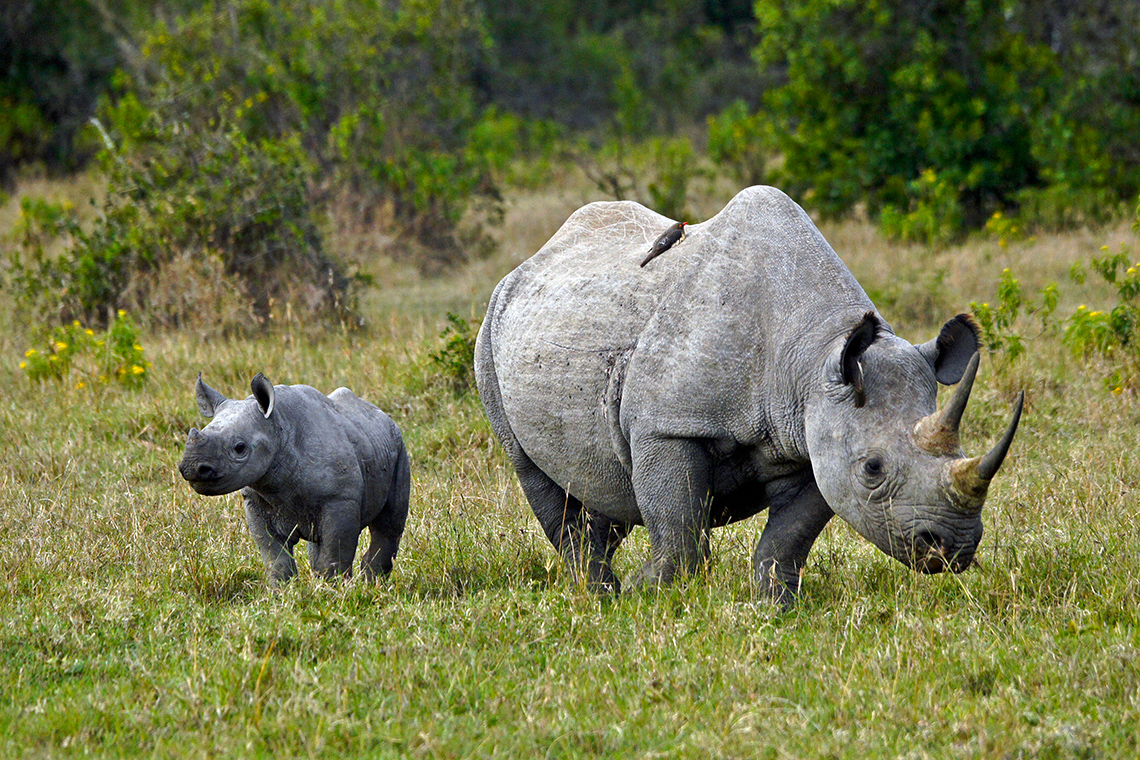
point(669, 238)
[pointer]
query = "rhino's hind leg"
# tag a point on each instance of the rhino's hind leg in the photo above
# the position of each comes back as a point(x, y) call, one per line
point(587, 542)
point(387, 529)
point(797, 513)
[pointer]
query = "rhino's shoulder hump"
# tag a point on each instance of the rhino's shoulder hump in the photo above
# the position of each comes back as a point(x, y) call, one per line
point(761, 206)
point(359, 411)
point(612, 220)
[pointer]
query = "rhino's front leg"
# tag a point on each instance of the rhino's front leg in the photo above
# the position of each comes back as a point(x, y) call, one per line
point(276, 550)
point(671, 480)
point(340, 534)
point(797, 513)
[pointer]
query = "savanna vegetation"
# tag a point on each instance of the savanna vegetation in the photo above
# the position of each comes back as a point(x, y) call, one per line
point(327, 192)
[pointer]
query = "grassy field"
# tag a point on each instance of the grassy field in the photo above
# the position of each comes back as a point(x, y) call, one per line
point(134, 618)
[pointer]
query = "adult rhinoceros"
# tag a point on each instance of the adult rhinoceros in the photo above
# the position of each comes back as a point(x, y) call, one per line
point(744, 369)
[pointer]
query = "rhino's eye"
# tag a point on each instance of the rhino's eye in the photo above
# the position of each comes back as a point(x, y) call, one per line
point(239, 448)
point(873, 471)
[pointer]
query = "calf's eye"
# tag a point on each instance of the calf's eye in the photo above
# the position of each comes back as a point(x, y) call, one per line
point(239, 448)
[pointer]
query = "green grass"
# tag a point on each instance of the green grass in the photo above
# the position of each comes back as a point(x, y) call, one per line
point(135, 621)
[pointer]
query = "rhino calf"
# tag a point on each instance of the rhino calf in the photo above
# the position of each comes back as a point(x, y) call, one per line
point(309, 466)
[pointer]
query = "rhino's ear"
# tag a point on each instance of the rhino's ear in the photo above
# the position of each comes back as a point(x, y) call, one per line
point(951, 351)
point(208, 399)
point(858, 340)
point(263, 393)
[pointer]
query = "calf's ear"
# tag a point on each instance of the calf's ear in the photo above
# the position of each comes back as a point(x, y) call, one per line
point(208, 399)
point(858, 340)
point(263, 393)
point(952, 350)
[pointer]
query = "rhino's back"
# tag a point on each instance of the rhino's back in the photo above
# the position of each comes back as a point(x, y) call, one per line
point(564, 326)
point(376, 434)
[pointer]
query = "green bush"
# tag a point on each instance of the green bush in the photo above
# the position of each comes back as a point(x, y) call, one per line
point(238, 123)
point(1115, 333)
point(218, 196)
point(998, 322)
point(114, 356)
point(455, 359)
point(676, 166)
point(738, 142)
point(932, 216)
point(937, 115)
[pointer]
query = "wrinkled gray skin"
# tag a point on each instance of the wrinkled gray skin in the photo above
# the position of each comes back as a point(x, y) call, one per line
point(746, 370)
point(309, 466)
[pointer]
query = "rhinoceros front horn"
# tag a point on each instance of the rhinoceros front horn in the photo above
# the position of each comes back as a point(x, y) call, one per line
point(968, 479)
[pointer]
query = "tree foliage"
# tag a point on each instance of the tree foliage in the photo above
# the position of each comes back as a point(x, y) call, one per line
point(893, 103)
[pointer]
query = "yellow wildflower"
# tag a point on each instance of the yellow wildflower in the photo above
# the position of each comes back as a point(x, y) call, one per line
point(137, 347)
point(31, 352)
point(1117, 390)
point(122, 312)
point(89, 332)
point(75, 323)
point(60, 345)
point(136, 369)
point(80, 384)
point(23, 365)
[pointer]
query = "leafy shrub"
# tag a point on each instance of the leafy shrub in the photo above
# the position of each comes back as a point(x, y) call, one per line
point(1114, 334)
point(455, 360)
point(738, 142)
point(676, 165)
point(877, 95)
point(998, 323)
point(933, 214)
point(243, 118)
point(114, 356)
point(217, 196)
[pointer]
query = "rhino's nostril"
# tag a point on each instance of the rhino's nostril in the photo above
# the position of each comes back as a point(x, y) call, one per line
point(929, 541)
point(205, 472)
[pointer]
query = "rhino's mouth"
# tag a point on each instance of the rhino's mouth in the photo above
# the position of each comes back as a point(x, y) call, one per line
point(203, 478)
point(930, 555)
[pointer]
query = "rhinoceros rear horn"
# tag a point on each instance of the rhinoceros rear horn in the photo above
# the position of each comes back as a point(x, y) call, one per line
point(968, 479)
point(938, 433)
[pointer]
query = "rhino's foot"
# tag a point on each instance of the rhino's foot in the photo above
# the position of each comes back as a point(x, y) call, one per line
point(656, 574)
point(777, 584)
point(279, 573)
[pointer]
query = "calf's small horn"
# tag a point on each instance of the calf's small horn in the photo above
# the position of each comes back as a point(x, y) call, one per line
point(968, 479)
point(937, 433)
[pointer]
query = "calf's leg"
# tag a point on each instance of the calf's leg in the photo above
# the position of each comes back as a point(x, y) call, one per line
point(276, 550)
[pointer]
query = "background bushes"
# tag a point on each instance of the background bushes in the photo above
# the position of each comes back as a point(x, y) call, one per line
point(233, 127)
